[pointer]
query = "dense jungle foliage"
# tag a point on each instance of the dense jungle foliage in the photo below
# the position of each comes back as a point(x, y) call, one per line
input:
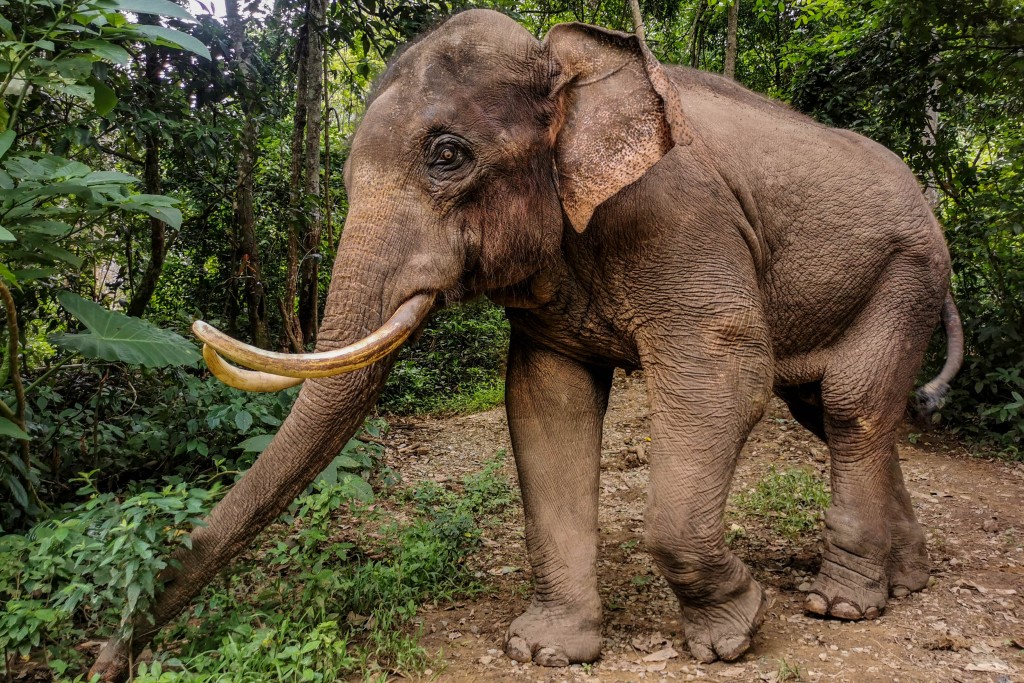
point(163, 162)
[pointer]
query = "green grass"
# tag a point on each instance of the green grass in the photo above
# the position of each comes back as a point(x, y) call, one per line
point(792, 500)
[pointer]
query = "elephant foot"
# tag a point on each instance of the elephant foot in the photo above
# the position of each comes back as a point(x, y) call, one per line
point(851, 592)
point(113, 663)
point(554, 637)
point(908, 561)
point(725, 630)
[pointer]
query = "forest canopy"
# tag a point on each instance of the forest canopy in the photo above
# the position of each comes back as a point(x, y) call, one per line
point(162, 163)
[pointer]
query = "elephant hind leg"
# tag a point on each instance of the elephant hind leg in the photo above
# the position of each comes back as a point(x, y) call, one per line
point(873, 542)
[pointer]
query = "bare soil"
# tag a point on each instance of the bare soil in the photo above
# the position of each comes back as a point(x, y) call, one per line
point(968, 625)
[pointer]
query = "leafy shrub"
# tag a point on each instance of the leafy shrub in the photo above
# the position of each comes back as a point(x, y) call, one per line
point(318, 603)
point(134, 424)
point(457, 365)
point(91, 565)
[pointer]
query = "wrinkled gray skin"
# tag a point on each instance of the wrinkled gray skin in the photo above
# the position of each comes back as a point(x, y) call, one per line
point(638, 216)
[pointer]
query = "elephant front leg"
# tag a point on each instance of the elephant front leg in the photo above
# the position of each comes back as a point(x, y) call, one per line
point(701, 417)
point(556, 408)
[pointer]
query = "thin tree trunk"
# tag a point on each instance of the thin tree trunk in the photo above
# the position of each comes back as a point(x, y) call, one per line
point(143, 292)
point(250, 269)
point(695, 32)
point(304, 219)
point(731, 45)
point(638, 19)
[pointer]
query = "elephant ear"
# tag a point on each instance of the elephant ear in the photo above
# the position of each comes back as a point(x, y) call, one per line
point(619, 115)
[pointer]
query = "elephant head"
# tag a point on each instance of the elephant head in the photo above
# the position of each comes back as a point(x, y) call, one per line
point(480, 147)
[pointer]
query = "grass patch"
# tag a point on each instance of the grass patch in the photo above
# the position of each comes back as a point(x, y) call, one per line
point(792, 500)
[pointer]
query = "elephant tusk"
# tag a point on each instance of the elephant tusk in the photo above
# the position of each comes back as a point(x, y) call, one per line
point(246, 380)
point(366, 351)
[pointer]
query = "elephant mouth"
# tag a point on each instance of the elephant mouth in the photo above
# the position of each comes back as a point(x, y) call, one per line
point(272, 371)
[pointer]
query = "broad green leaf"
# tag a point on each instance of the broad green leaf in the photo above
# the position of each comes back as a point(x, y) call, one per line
point(18, 492)
point(162, 34)
point(243, 420)
point(256, 444)
point(8, 428)
point(97, 177)
point(105, 50)
point(161, 8)
point(6, 274)
point(358, 487)
point(167, 214)
point(6, 235)
point(82, 92)
point(345, 463)
point(60, 254)
point(6, 140)
point(114, 336)
point(104, 98)
point(30, 274)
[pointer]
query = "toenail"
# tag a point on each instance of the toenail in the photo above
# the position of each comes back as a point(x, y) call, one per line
point(871, 613)
point(900, 591)
point(549, 656)
point(843, 609)
point(517, 649)
point(701, 652)
point(816, 604)
point(731, 648)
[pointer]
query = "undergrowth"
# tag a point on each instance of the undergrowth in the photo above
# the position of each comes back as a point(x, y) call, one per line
point(456, 366)
point(325, 599)
point(330, 593)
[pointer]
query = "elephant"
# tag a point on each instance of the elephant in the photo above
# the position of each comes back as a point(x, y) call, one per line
point(627, 214)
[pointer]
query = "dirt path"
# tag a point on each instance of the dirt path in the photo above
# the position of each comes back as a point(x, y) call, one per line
point(967, 626)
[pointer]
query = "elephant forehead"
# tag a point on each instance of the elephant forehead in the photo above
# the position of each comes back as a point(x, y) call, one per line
point(473, 50)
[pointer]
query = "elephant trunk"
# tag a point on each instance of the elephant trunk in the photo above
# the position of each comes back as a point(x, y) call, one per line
point(325, 416)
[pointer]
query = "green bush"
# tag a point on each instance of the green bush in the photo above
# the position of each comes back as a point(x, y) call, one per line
point(457, 365)
point(91, 566)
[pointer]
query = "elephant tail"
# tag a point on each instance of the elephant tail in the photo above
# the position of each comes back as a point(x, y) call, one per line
point(930, 397)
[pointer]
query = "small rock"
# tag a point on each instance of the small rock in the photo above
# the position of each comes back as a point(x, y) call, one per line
point(486, 659)
point(804, 587)
point(990, 526)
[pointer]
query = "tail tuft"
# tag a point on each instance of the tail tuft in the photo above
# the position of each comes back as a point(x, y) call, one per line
point(932, 395)
point(929, 398)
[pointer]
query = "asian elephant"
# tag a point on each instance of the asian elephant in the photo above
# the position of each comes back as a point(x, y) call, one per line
point(635, 215)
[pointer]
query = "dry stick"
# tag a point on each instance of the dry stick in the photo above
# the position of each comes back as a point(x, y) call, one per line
point(15, 371)
point(638, 19)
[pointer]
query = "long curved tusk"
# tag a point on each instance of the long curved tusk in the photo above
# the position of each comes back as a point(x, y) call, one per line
point(246, 380)
point(366, 351)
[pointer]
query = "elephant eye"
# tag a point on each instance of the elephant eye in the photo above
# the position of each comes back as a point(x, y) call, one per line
point(448, 154)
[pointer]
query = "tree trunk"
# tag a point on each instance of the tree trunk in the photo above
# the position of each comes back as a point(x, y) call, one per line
point(304, 211)
point(143, 292)
point(638, 19)
point(250, 269)
point(695, 32)
point(731, 46)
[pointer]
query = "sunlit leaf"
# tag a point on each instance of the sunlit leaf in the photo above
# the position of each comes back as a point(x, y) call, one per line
point(164, 35)
point(114, 336)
